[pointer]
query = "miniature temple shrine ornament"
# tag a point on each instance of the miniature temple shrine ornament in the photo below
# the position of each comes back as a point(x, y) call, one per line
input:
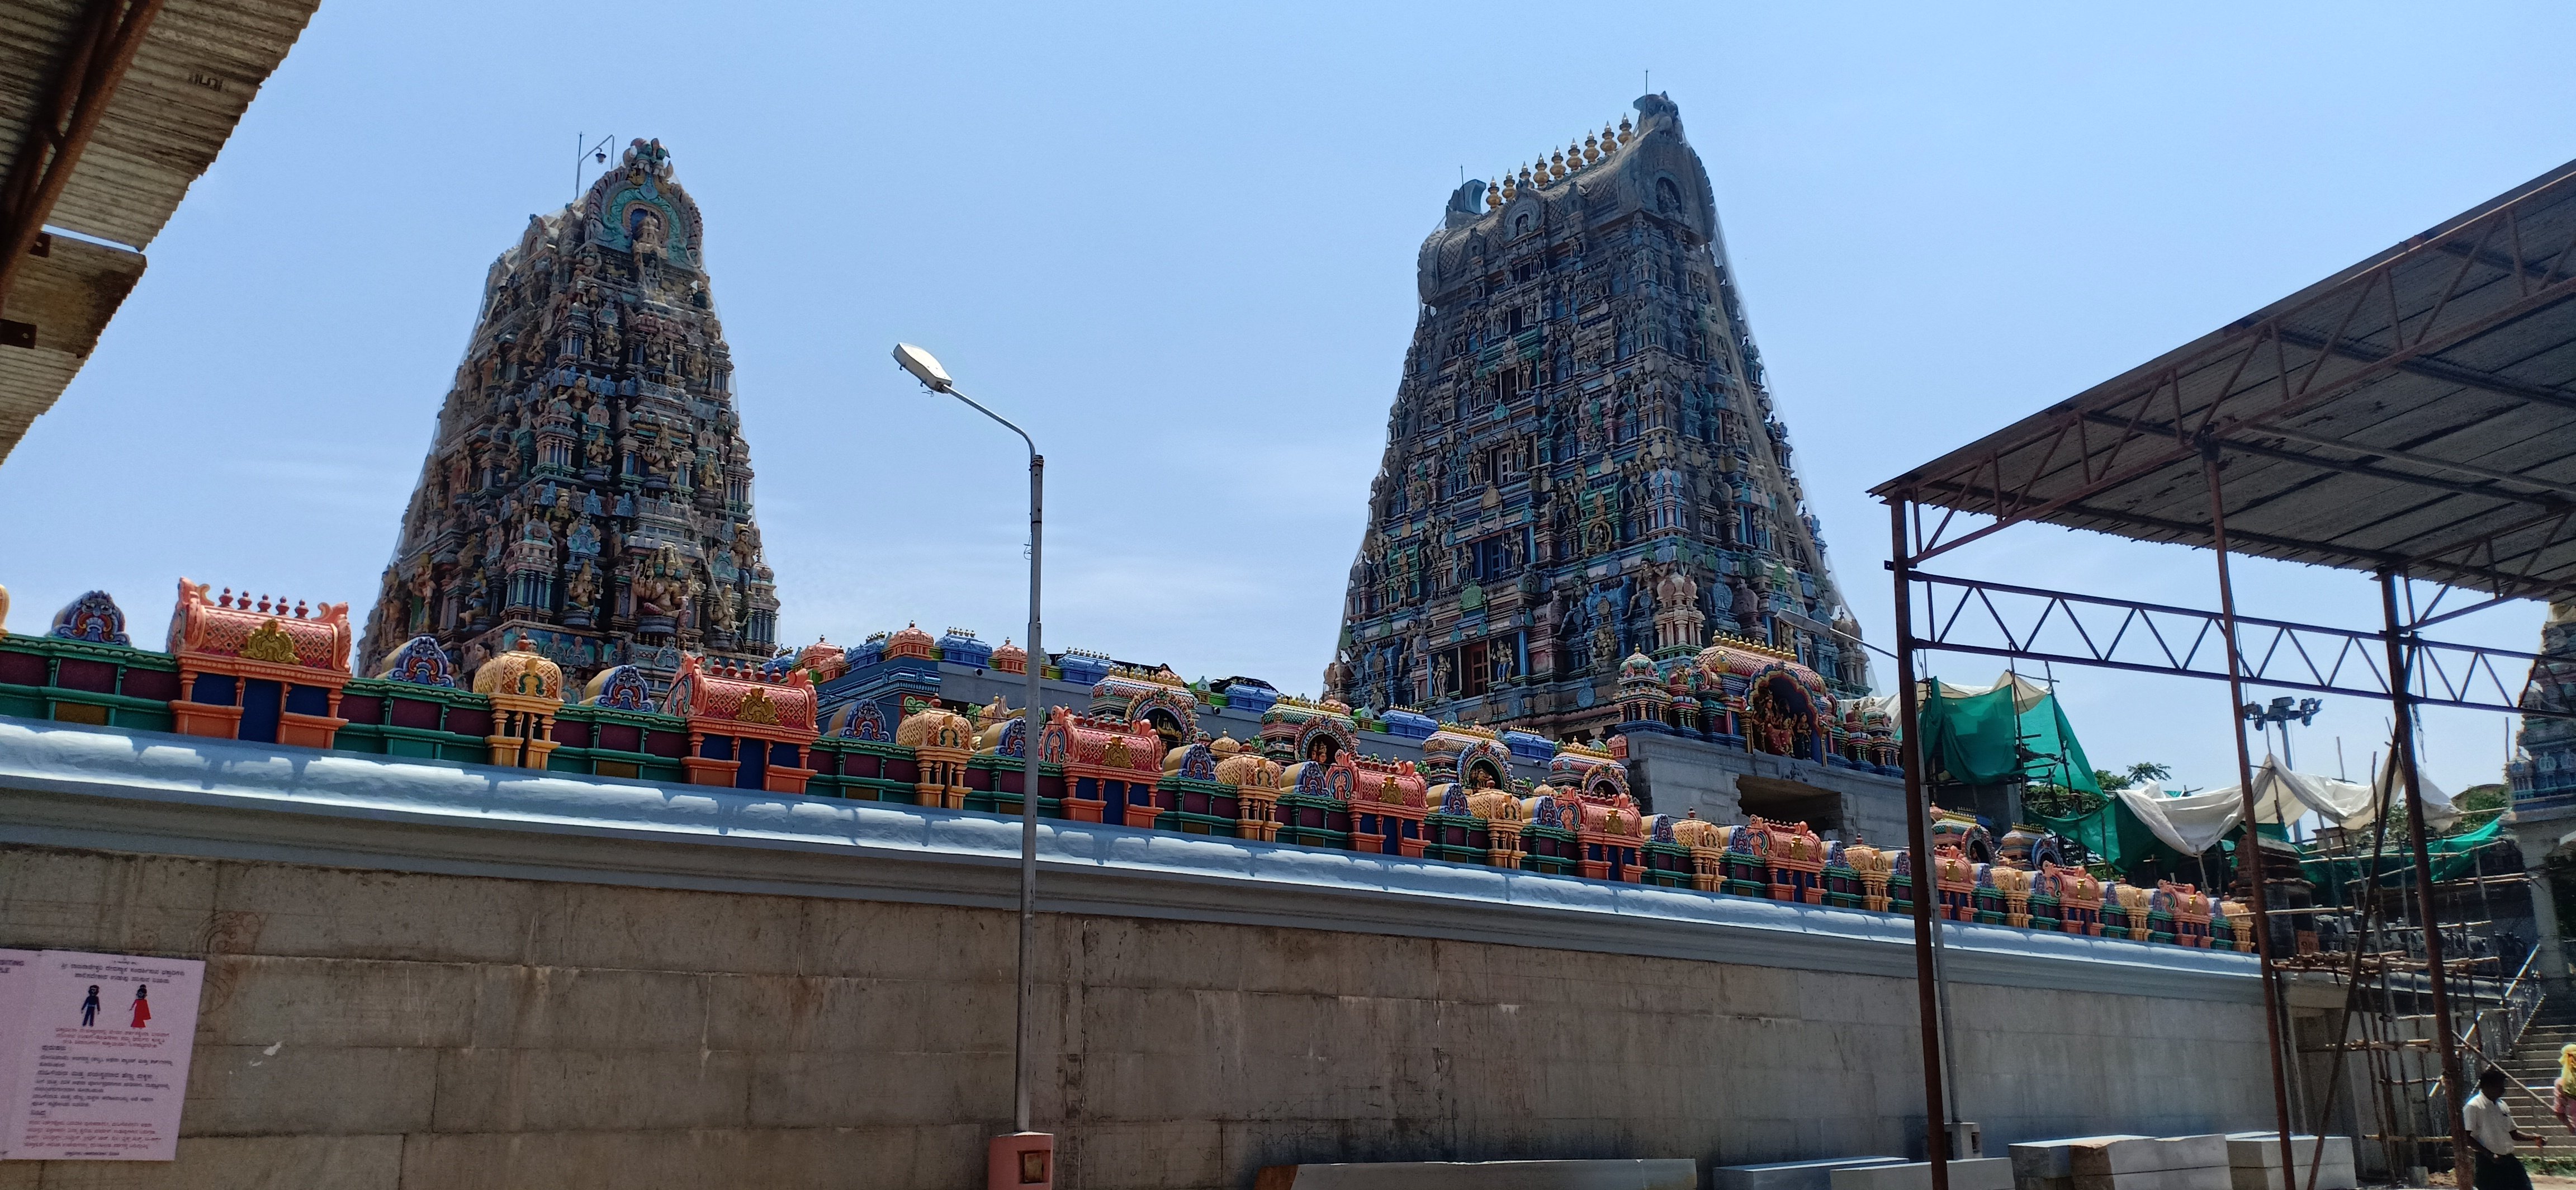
point(1583, 462)
point(589, 490)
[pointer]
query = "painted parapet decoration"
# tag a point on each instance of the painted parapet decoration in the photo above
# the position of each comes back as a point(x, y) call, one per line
point(1389, 802)
point(1954, 882)
point(2012, 886)
point(1963, 832)
point(746, 730)
point(82, 668)
point(1550, 820)
point(1194, 799)
point(1750, 695)
point(1503, 815)
point(2078, 894)
point(2185, 907)
point(1110, 767)
point(1610, 836)
point(1316, 743)
point(1470, 755)
point(942, 742)
point(1302, 782)
point(1872, 867)
point(256, 673)
point(526, 691)
point(1255, 779)
point(1707, 844)
point(1157, 700)
point(2239, 919)
point(1765, 698)
point(1794, 860)
point(2125, 912)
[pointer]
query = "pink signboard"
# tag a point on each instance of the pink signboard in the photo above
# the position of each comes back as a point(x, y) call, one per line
point(97, 1051)
point(17, 968)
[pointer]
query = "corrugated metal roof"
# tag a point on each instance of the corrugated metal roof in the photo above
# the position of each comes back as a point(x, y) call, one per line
point(2416, 411)
point(200, 64)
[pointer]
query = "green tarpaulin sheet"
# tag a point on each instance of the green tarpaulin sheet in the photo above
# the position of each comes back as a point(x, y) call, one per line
point(2115, 836)
point(2453, 857)
point(1980, 739)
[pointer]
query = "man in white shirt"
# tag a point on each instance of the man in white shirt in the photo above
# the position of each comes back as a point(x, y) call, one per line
point(2492, 1135)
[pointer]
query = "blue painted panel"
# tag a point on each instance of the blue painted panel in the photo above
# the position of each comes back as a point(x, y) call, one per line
point(308, 700)
point(214, 689)
point(261, 701)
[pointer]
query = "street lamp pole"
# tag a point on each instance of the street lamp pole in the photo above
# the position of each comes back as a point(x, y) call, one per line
point(1025, 1158)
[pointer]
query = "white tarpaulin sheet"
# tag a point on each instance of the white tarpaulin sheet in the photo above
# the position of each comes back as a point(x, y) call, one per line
point(2193, 823)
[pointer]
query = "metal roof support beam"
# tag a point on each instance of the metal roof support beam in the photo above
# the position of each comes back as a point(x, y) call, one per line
point(2422, 481)
point(2292, 456)
point(2434, 369)
point(1962, 615)
point(85, 84)
point(2387, 452)
point(2045, 449)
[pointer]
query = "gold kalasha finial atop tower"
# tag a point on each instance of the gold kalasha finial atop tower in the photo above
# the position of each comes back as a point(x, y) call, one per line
point(1591, 149)
point(1625, 135)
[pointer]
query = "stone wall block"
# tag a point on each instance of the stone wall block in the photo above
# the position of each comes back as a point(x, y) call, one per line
point(885, 940)
point(924, 1158)
point(229, 1163)
point(558, 1090)
point(871, 1088)
point(305, 1002)
point(341, 913)
point(597, 925)
point(324, 1090)
point(124, 904)
point(588, 1009)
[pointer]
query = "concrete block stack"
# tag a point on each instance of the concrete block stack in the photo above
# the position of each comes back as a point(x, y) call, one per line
point(1968, 1173)
point(1790, 1175)
point(2123, 1163)
point(2254, 1162)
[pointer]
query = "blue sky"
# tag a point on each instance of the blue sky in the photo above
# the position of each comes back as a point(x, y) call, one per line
point(1177, 243)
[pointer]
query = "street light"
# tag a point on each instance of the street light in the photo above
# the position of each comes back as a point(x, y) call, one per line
point(1024, 1158)
point(2283, 712)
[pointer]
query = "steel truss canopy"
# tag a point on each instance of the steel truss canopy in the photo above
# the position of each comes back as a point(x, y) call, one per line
point(109, 110)
point(2414, 413)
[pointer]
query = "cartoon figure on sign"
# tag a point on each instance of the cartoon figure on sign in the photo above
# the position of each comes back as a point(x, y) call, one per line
point(89, 1008)
point(142, 1009)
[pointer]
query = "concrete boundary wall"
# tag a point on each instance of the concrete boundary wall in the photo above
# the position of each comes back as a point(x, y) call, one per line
point(480, 976)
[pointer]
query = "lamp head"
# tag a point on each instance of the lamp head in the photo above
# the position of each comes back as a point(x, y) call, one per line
point(923, 367)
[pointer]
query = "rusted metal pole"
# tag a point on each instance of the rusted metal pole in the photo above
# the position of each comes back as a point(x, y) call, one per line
point(1918, 832)
point(2402, 758)
point(2249, 853)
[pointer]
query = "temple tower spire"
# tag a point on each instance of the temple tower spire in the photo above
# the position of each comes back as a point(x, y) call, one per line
point(588, 488)
point(1584, 461)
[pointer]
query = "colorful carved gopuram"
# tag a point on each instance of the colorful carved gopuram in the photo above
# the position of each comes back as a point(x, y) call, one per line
point(909, 719)
point(588, 488)
point(1585, 471)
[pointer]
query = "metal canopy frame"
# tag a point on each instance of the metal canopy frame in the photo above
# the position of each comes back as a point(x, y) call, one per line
point(2412, 417)
point(109, 111)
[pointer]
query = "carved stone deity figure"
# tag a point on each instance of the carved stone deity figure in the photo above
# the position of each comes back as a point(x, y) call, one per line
point(660, 585)
point(723, 606)
point(1605, 643)
point(651, 242)
point(581, 593)
point(1338, 676)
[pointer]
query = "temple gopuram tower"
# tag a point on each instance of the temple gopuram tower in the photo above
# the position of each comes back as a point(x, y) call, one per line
point(1583, 463)
point(589, 489)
